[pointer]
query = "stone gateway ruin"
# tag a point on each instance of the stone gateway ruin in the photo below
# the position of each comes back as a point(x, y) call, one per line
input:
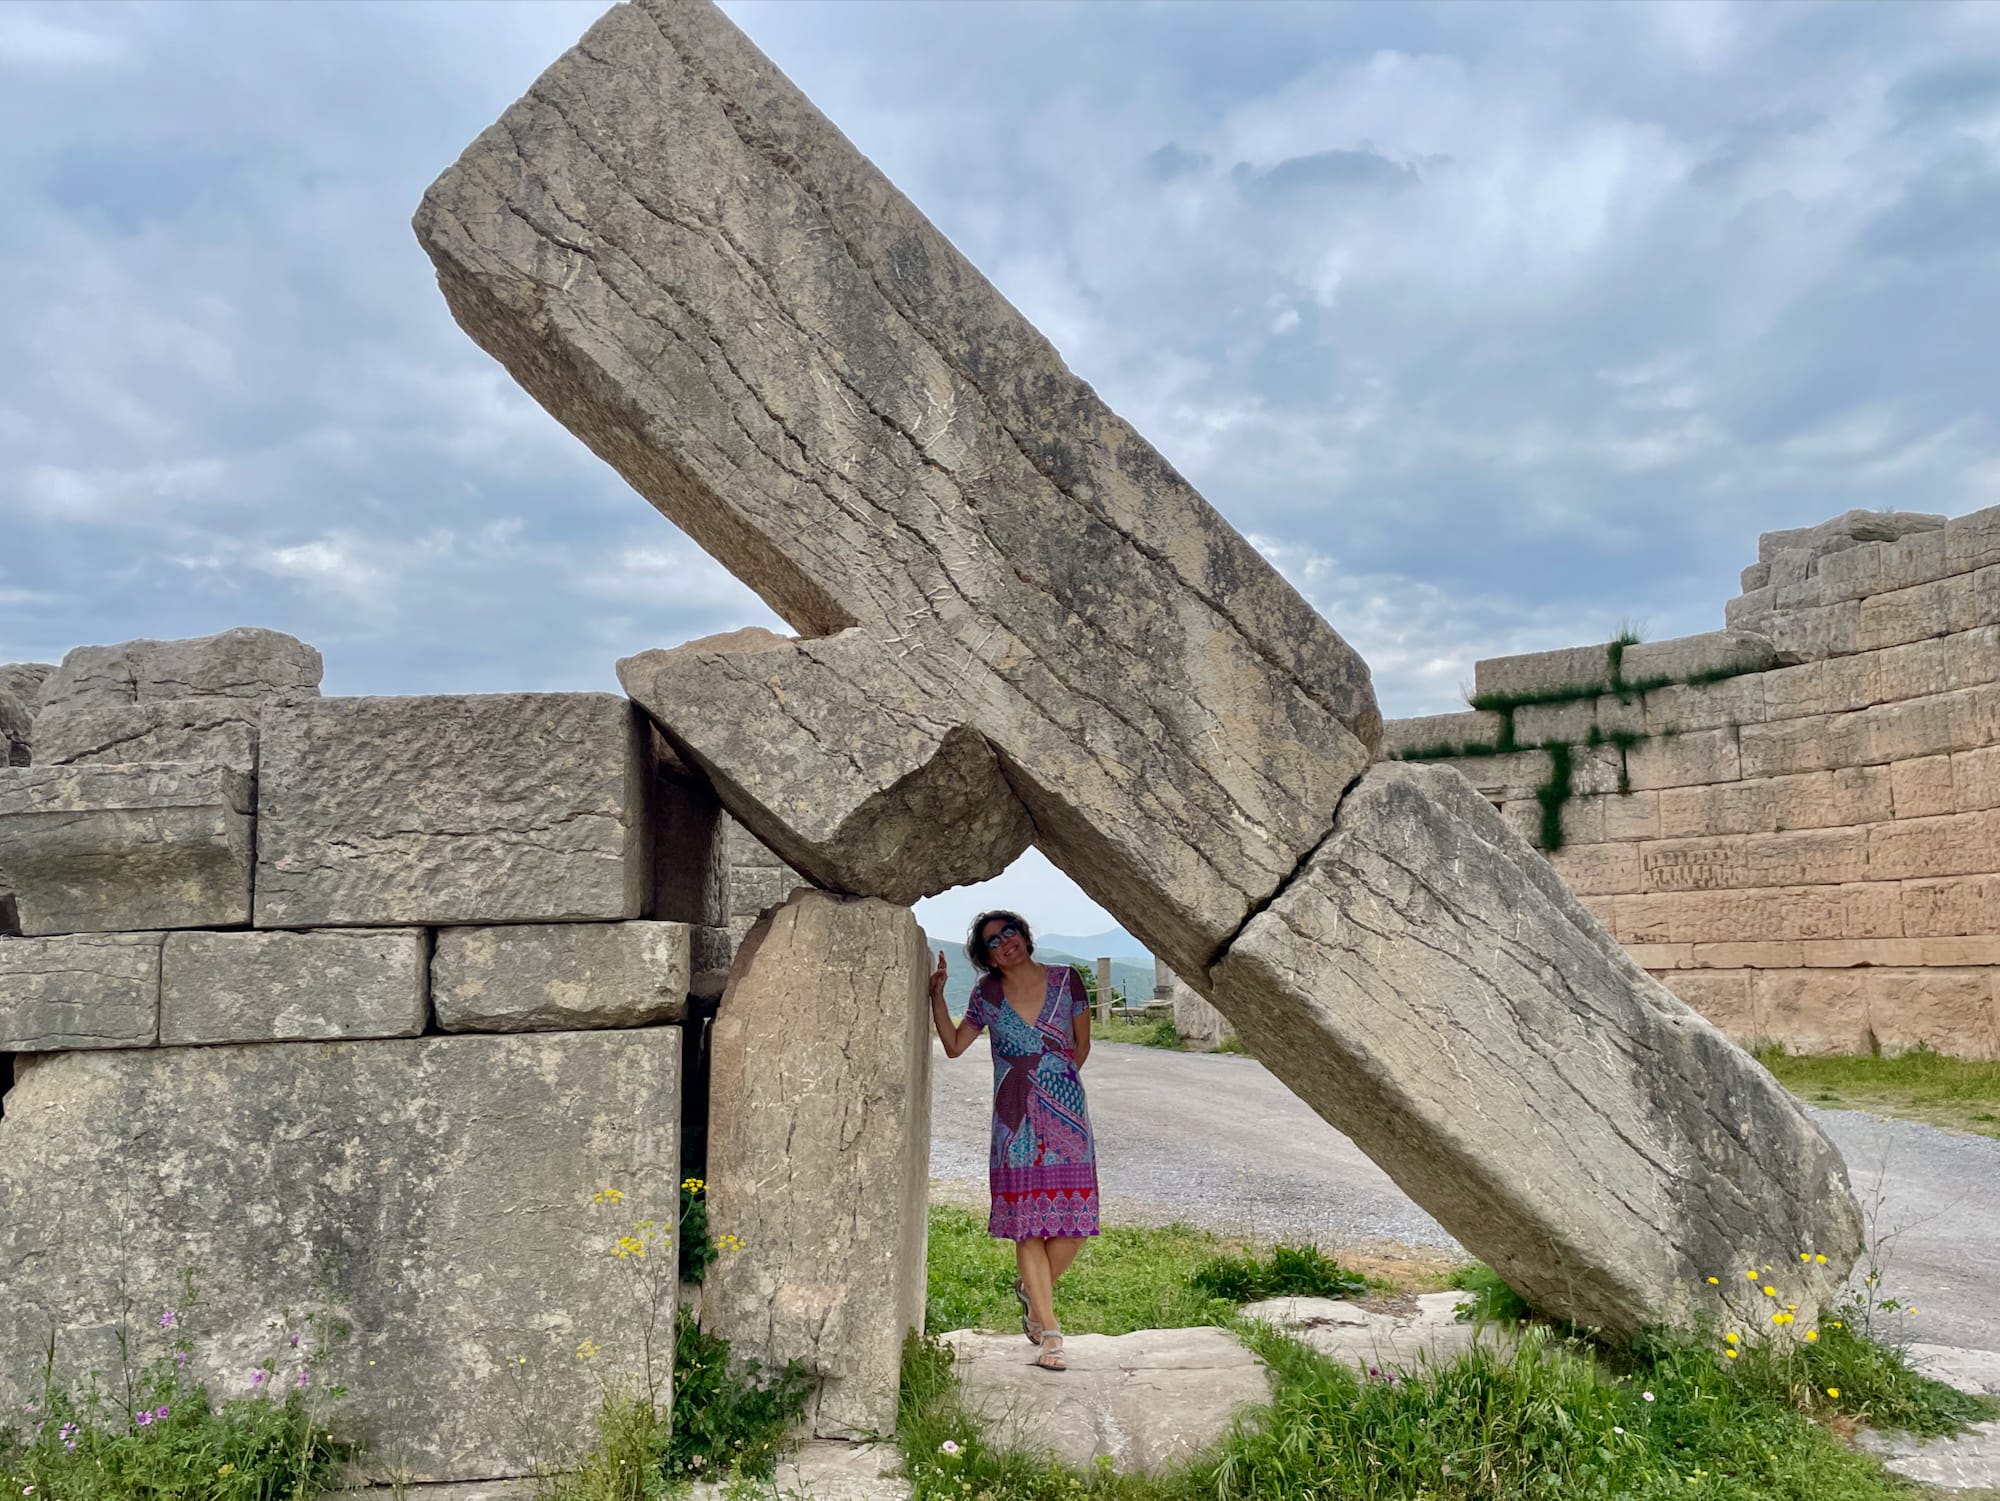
point(362, 999)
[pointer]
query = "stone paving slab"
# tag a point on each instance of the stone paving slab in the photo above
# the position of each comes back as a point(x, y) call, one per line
point(1147, 1400)
point(1388, 1341)
point(821, 1470)
point(1969, 1461)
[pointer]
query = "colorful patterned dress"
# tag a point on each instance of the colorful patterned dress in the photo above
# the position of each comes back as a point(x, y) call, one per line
point(1043, 1167)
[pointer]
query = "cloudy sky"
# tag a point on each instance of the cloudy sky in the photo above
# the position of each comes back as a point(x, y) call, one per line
point(1495, 325)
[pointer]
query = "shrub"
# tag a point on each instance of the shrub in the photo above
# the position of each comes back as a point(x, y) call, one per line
point(1287, 1272)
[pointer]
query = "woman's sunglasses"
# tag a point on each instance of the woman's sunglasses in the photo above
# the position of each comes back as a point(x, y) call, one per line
point(994, 942)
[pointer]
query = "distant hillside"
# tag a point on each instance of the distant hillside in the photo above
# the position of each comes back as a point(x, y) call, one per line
point(1113, 944)
point(1135, 980)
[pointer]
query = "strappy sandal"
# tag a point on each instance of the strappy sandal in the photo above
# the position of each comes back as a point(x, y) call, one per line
point(1028, 1325)
point(1051, 1358)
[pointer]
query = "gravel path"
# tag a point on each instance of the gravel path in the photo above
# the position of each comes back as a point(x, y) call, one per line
point(1213, 1139)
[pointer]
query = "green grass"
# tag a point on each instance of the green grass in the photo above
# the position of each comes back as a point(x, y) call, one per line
point(1493, 1299)
point(1281, 1272)
point(1955, 1093)
point(1159, 1034)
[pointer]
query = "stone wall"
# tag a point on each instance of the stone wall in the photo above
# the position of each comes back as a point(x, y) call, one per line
point(359, 1004)
point(1793, 822)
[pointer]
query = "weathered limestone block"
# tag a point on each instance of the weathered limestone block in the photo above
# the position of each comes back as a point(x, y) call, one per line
point(1922, 788)
point(1575, 669)
point(213, 731)
point(1936, 606)
point(489, 808)
point(292, 987)
point(1700, 706)
point(1632, 815)
point(91, 990)
point(1600, 869)
point(1807, 858)
point(1780, 914)
point(1940, 664)
point(1428, 731)
point(20, 701)
point(824, 1022)
point(1465, 1017)
point(1957, 844)
point(690, 841)
point(1692, 759)
point(1834, 686)
point(1847, 530)
point(1724, 998)
point(1857, 953)
point(1508, 778)
point(443, 1185)
point(1975, 779)
point(247, 662)
point(1021, 620)
point(1814, 1012)
point(1850, 797)
point(1195, 1020)
point(128, 848)
point(1683, 657)
point(553, 977)
point(1571, 721)
point(1972, 541)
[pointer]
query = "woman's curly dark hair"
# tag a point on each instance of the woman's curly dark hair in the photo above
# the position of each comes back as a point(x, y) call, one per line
point(976, 951)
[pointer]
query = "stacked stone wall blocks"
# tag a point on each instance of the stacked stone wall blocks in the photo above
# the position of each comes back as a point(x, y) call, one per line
point(1832, 809)
point(545, 977)
point(293, 987)
point(245, 663)
point(87, 990)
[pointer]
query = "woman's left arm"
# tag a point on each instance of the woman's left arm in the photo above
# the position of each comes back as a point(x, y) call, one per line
point(1080, 1026)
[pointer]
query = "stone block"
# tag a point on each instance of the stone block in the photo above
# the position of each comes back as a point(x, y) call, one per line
point(1966, 720)
point(1571, 669)
point(1197, 1022)
point(1813, 1012)
point(1598, 869)
point(1751, 955)
point(1941, 664)
point(127, 848)
point(1957, 844)
point(1975, 779)
point(20, 701)
point(1957, 907)
point(1427, 732)
point(1929, 609)
point(212, 731)
point(1783, 914)
point(1812, 633)
point(711, 950)
point(690, 851)
point(1806, 858)
point(1947, 1010)
point(1702, 706)
point(1386, 935)
point(824, 1020)
point(1756, 576)
point(1972, 541)
point(1956, 952)
point(439, 1190)
point(1524, 817)
point(1684, 657)
point(1751, 610)
point(1849, 529)
point(1724, 998)
point(1861, 953)
point(1923, 788)
point(1656, 958)
point(90, 990)
point(492, 808)
point(1631, 815)
point(1692, 759)
point(1571, 721)
point(1771, 805)
point(293, 987)
point(247, 662)
point(558, 977)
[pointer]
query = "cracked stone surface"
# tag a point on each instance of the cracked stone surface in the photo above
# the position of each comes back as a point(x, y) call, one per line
point(1368, 1337)
point(1146, 1400)
point(249, 662)
point(20, 701)
point(439, 1188)
point(482, 808)
point(828, 1470)
point(1485, 1041)
point(1969, 1461)
point(92, 990)
point(293, 987)
point(1016, 620)
point(1017, 609)
point(551, 977)
point(218, 731)
point(819, 1150)
point(127, 848)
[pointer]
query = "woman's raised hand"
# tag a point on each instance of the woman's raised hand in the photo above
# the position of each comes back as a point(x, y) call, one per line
point(937, 978)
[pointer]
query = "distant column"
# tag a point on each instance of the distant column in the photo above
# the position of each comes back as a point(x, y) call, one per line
point(1104, 990)
point(1163, 981)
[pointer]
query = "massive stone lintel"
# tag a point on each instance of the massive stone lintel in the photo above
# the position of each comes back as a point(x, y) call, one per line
point(434, 1193)
point(678, 256)
point(1016, 618)
point(248, 662)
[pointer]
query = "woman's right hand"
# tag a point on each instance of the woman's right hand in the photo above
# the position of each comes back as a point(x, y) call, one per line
point(937, 978)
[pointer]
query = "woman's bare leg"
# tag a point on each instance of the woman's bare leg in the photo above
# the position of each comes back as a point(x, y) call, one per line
point(1062, 1251)
point(1032, 1258)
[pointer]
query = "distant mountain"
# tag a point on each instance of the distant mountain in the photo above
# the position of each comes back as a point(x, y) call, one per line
point(1133, 980)
point(1114, 944)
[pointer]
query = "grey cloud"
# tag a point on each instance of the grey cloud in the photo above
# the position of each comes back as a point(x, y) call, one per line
point(1332, 171)
point(1170, 161)
point(1960, 92)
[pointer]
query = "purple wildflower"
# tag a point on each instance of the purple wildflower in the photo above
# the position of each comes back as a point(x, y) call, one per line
point(160, 1414)
point(259, 1376)
point(180, 1359)
point(295, 1342)
point(305, 1379)
point(145, 1420)
point(168, 1319)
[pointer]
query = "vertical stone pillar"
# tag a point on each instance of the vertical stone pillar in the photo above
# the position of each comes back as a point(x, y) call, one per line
point(1163, 981)
point(819, 1150)
point(1104, 990)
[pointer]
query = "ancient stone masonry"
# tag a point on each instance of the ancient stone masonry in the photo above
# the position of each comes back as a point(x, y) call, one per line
point(387, 1064)
point(1018, 623)
point(1796, 826)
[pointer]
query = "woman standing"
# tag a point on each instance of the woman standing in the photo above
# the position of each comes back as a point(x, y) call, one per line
point(1043, 1166)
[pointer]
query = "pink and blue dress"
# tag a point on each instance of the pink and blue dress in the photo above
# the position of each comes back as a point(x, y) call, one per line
point(1043, 1166)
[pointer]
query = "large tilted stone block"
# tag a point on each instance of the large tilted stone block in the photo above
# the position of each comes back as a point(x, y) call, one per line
point(248, 662)
point(819, 1150)
point(438, 1189)
point(90, 990)
point(1432, 988)
point(20, 701)
point(1684, 657)
point(293, 987)
point(548, 977)
point(491, 808)
point(1024, 621)
point(127, 848)
point(214, 731)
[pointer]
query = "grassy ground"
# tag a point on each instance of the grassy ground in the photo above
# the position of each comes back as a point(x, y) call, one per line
point(1954, 1093)
point(1545, 1421)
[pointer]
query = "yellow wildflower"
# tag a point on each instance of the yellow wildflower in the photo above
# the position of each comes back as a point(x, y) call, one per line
point(1751, 1275)
point(1819, 1258)
point(1730, 1336)
point(1833, 1391)
point(1770, 1291)
point(1730, 1353)
point(1713, 1283)
point(227, 1470)
point(1812, 1336)
point(609, 1196)
point(693, 1185)
point(1804, 1257)
point(589, 1350)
